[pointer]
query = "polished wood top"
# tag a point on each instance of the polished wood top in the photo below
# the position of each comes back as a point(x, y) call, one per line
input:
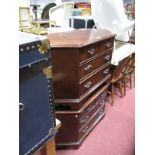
point(78, 38)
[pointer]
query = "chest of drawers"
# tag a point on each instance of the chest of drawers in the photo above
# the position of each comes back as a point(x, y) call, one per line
point(81, 73)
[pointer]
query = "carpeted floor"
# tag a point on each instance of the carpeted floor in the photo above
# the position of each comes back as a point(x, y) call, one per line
point(115, 134)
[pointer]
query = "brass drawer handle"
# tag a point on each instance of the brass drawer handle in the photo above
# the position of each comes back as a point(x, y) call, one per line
point(85, 129)
point(107, 45)
point(85, 119)
point(102, 102)
point(106, 71)
point(107, 57)
point(101, 112)
point(90, 108)
point(87, 68)
point(91, 51)
point(88, 84)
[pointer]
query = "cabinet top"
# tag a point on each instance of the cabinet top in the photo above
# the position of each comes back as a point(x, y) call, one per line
point(78, 38)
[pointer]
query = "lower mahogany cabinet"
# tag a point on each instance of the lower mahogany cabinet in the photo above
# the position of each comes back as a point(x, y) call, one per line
point(76, 125)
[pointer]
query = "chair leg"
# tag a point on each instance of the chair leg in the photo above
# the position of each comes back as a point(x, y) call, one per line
point(130, 80)
point(120, 87)
point(134, 79)
point(112, 93)
point(124, 81)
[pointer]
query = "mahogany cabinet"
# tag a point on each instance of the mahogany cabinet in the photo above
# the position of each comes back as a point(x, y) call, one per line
point(81, 66)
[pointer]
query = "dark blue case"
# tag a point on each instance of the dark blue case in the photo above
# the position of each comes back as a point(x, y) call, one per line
point(36, 114)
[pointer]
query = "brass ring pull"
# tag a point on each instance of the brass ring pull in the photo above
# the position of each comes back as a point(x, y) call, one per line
point(106, 71)
point(88, 84)
point(107, 45)
point(85, 119)
point(87, 68)
point(107, 57)
point(101, 112)
point(85, 129)
point(91, 51)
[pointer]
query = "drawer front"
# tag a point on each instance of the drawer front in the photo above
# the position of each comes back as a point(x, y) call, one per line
point(94, 79)
point(89, 67)
point(105, 45)
point(91, 109)
point(92, 122)
point(83, 104)
point(95, 49)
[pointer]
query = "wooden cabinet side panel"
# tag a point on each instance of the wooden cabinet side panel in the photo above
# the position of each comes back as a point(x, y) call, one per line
point(65, 73)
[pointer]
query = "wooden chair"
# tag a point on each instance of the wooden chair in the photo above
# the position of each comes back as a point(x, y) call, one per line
point(128, 72)
point(45, 13)
point(116, 79)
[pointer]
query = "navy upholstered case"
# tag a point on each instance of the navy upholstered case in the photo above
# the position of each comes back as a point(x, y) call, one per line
point(36, 109)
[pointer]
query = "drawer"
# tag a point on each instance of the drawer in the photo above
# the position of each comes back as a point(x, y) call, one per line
point(95, 49)
point(94, 79)
point(80, 106)
point(94, 64)
point(91, 123)
point(91, 109)
point(105, 45)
